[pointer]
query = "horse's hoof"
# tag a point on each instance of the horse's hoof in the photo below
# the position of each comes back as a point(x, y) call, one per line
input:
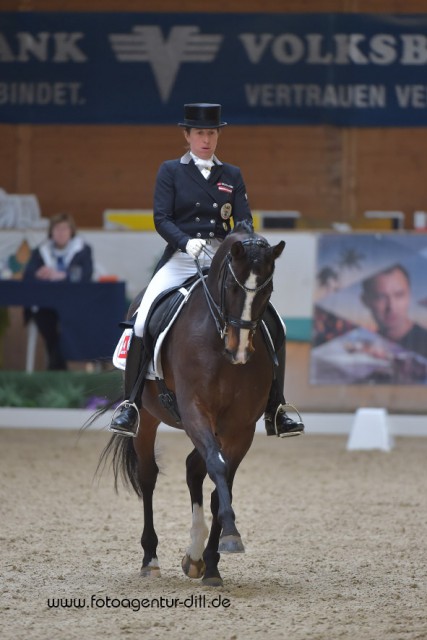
point(214, 581)
point(231, 544)
point(193, 568)
point(150, 572)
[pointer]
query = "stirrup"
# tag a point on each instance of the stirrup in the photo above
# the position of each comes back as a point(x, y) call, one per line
point(283, 407)
point(125, 404)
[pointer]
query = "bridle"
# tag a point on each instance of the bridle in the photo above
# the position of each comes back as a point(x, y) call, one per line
point(218, 312)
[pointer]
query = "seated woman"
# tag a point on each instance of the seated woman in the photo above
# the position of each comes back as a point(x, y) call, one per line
point(63, 256)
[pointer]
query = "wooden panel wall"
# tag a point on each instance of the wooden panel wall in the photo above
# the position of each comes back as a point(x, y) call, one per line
point(328, 173)
point(232, 6)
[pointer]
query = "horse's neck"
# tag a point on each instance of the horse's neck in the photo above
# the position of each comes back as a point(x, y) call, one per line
point(212, 281)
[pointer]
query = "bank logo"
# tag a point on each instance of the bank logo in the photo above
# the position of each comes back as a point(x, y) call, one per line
point(165, 55)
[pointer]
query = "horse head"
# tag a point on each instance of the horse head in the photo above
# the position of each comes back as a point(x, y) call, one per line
point(240, 283)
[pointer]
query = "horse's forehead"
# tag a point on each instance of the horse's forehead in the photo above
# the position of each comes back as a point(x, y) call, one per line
point(256, 249)
point(253, 240)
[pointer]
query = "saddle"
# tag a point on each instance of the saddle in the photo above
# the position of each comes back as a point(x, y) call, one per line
point(164, 310)
point(162, 314)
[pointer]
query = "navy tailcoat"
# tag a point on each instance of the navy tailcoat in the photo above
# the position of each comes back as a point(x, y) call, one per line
point(187, 205)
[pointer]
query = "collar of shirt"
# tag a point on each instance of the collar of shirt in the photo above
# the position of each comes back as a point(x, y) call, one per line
point(202, 164)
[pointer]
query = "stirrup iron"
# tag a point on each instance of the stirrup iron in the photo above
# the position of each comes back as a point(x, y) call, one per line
point(125, 404)
point(283, 407)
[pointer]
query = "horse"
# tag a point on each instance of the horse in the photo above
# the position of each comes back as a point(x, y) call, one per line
point(219, 370)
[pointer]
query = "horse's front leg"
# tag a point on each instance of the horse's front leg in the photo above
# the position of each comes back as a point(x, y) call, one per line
point(145, 482)
point(222, 476)
point(217, 544)
point(193, 564)
point(212, 577)
point(221, 471)
point(224, 536)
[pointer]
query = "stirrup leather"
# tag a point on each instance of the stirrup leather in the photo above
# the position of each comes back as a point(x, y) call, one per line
point(283, 407)
point(124, 405)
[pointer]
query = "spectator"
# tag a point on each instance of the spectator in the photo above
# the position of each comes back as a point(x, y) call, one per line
point(63, 256)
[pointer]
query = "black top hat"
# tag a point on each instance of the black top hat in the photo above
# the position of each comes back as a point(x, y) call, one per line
point(202, 115)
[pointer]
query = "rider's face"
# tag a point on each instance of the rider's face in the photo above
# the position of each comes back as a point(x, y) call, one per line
point(202, 142)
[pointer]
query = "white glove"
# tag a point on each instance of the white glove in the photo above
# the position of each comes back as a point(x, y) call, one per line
point(194, 247)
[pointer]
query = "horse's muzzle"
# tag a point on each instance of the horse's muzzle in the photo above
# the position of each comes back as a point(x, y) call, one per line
point(237, 350)
point(233, 358)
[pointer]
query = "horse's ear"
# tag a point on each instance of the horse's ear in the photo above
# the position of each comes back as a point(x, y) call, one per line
point(237, 249)
point(277, 250)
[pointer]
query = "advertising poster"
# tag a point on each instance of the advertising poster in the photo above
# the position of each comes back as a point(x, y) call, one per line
point(370, 310)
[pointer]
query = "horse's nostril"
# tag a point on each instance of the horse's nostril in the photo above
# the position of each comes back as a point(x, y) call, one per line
point(228, 354)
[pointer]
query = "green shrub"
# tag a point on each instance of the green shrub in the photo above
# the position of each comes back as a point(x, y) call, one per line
point(59, 389)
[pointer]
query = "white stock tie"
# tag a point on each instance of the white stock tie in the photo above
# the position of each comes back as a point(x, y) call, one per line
point(204, 167)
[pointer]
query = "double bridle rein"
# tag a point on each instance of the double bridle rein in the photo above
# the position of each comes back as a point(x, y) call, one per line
point(218, 311)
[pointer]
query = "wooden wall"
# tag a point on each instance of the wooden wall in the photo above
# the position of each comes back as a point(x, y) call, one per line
point(328, 173)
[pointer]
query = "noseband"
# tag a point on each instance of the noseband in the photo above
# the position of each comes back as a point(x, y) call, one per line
point(219, 312)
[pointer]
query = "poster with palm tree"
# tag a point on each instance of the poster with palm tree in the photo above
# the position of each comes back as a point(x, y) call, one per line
point(370, 309)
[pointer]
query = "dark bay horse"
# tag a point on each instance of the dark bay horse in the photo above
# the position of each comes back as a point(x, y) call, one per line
point(217, 364)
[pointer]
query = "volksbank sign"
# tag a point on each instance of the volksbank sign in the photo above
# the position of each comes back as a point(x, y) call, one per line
point(140, 68)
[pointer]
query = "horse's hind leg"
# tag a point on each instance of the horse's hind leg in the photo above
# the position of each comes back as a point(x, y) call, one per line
point(193, 564)
point(147, 472)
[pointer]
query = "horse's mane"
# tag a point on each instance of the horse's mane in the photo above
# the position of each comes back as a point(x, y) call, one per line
point(244, 226)
point(241, 231)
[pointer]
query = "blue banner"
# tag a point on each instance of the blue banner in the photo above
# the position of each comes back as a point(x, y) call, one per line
point(140, 68)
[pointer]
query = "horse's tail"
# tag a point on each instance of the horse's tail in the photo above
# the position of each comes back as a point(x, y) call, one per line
point(123, 460)
point(122, 453)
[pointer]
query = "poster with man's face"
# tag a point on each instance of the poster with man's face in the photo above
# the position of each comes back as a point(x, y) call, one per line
point(370, 310)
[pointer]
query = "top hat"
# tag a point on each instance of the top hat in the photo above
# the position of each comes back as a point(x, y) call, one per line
point(202, 115)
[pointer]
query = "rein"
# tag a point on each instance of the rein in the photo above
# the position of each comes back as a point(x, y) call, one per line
point(218, 311)
point(211, 303)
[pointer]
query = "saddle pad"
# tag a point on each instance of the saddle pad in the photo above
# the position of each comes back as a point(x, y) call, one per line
point(155, 368)
point(121, 350)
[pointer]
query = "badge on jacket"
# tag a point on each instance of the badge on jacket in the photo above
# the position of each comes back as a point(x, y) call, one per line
point(223, 186)
point(226, 210)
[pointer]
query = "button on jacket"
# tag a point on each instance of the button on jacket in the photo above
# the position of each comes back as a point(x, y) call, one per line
point(187, 205)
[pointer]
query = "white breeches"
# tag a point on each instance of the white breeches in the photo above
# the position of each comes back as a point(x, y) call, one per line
point(173, 273)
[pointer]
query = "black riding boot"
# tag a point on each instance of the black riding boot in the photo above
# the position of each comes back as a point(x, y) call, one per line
point(126, 418)
point(277, 422)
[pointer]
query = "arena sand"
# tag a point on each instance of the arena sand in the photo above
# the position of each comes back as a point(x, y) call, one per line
point(335, 544)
